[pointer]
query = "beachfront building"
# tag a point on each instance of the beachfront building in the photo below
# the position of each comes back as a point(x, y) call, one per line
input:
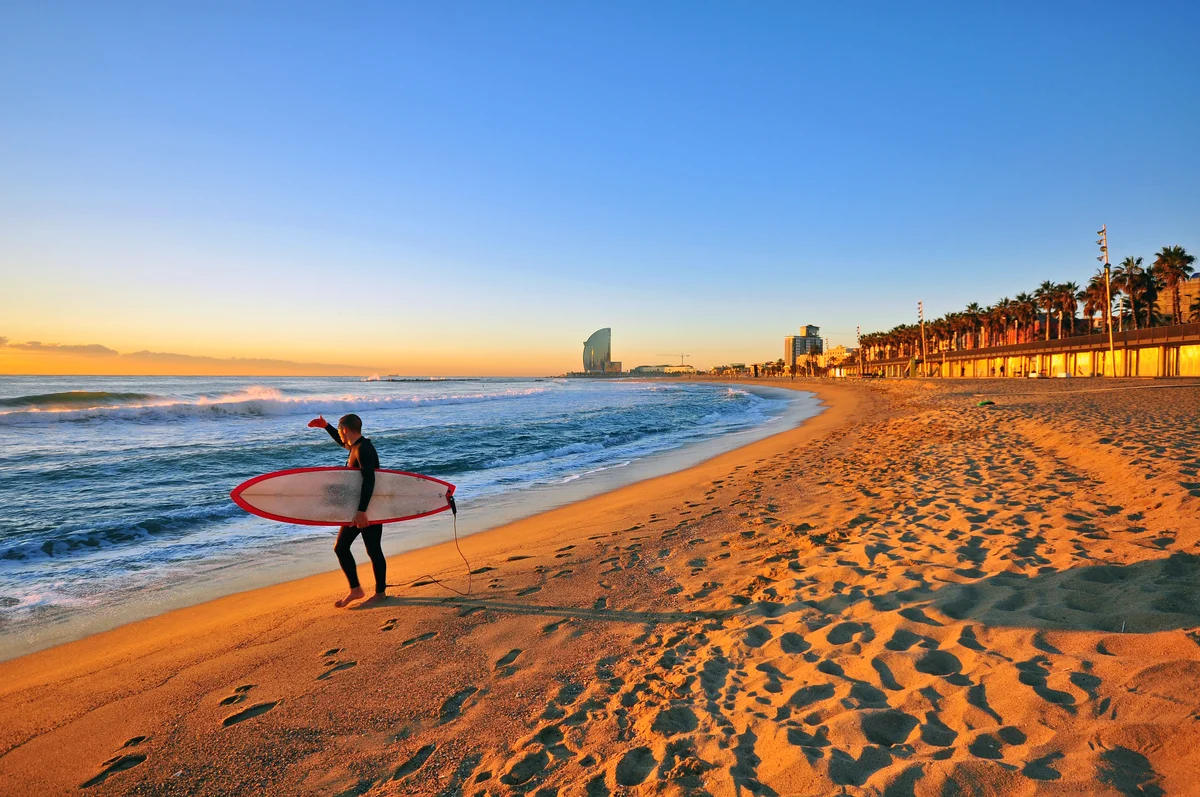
point(663, 370)
point(1153, 352)
point(836, 355)
point(796, 348)
point(597, 353)
point(1189, 303)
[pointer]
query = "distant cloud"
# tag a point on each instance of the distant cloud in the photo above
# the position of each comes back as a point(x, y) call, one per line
point(88, 350)
point(181, 360)
point(195, 359)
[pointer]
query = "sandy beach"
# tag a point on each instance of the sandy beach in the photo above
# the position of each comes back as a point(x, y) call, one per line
point(908, 594)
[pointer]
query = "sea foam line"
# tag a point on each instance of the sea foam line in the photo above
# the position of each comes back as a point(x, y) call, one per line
point(255, 401)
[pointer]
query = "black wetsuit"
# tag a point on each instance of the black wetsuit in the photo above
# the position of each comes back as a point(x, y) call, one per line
point(363, 457)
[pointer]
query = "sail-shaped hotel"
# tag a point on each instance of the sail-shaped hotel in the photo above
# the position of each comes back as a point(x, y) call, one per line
point(597, 353)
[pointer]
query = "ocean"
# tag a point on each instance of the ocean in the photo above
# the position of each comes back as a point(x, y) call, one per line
point(116, 489)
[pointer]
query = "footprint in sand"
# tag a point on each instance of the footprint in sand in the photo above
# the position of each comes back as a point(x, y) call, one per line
point(938, 662)
point(390, 625)
point(635, 766)
point(888, 728)
point(526, 769)
point(517, 558)
point(422, 638)
point(254, 711)
point(413, 764)
point(991, 747)
point(504, 665)
point(757, 636)
point(1034, 674)
point(845, 770)
point(842, 633)
point(114, 765)
point(239, 695)
point(793, 643)
point(935, 732)
point(1040, 769)
point(903, 639)
point(452, 708)
point(336, 666)
point(677, 719)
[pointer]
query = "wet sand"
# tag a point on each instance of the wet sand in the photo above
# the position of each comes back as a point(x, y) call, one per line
point(908, 594)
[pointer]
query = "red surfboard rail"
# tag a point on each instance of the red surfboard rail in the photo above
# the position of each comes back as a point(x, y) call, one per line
point(236, 495)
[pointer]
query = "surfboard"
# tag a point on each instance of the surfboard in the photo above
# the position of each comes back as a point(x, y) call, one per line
point(329, 496)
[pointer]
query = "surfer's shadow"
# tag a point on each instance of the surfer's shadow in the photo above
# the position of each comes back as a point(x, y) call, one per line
point(1145, 597)
point(468, 606)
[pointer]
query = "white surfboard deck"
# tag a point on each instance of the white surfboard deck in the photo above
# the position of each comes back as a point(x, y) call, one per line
point(329, 496)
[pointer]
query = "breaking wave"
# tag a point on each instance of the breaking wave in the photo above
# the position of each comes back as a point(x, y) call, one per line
point(253, 401)
point(73, 399)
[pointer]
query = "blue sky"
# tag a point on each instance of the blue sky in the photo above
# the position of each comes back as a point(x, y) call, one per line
point(475, 187)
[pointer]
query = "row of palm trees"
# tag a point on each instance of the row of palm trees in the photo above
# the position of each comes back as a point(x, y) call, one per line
point(1030, 315)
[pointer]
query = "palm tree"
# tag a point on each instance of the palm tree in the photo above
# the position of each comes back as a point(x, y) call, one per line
point(973, 318)
point(1045, 299)
point(1068, 303)
point(1173, 265)
point(1150, 287)
point(1022, 313)
point(998, 320)
point(1194, 311)
point(1095, 299)
point(1128, 278)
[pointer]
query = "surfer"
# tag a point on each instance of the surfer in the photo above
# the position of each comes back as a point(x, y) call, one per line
point(348, 435)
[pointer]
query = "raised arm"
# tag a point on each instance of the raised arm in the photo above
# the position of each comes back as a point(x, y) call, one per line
point(319, 422)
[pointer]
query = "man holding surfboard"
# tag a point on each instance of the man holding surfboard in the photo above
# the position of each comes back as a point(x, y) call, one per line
point(363, 456)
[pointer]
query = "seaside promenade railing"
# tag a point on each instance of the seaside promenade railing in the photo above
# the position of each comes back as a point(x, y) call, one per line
point(1156, 351)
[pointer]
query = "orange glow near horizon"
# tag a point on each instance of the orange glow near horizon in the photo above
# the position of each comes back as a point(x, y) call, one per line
point(15, 361)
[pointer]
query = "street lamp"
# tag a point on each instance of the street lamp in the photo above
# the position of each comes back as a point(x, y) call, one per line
point(921, 315)
point(1103, 258)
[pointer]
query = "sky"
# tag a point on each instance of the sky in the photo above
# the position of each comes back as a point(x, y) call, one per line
point(474, 188)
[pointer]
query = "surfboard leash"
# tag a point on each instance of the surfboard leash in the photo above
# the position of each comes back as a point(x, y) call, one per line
point(439, 582)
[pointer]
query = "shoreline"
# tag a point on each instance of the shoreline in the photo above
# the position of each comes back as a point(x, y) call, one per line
point(908, 593)
point(76, 678)
point(309, 558)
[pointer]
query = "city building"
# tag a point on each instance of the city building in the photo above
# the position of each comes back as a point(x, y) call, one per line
point(663, 370)
point(597, 353)
point(1189, 295)
point(836, 355)
point(797, 347)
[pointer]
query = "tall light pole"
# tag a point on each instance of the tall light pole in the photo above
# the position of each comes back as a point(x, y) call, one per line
point(862, 365)
point(1103, 258)
point(921, 315)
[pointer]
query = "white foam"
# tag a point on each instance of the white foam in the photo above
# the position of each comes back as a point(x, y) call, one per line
point(253, 401)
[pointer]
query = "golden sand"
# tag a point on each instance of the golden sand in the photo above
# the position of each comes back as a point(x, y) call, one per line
point(909, 594)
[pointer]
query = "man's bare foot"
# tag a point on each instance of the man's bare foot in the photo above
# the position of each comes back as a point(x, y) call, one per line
point(378, 597)
point(354, 595)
